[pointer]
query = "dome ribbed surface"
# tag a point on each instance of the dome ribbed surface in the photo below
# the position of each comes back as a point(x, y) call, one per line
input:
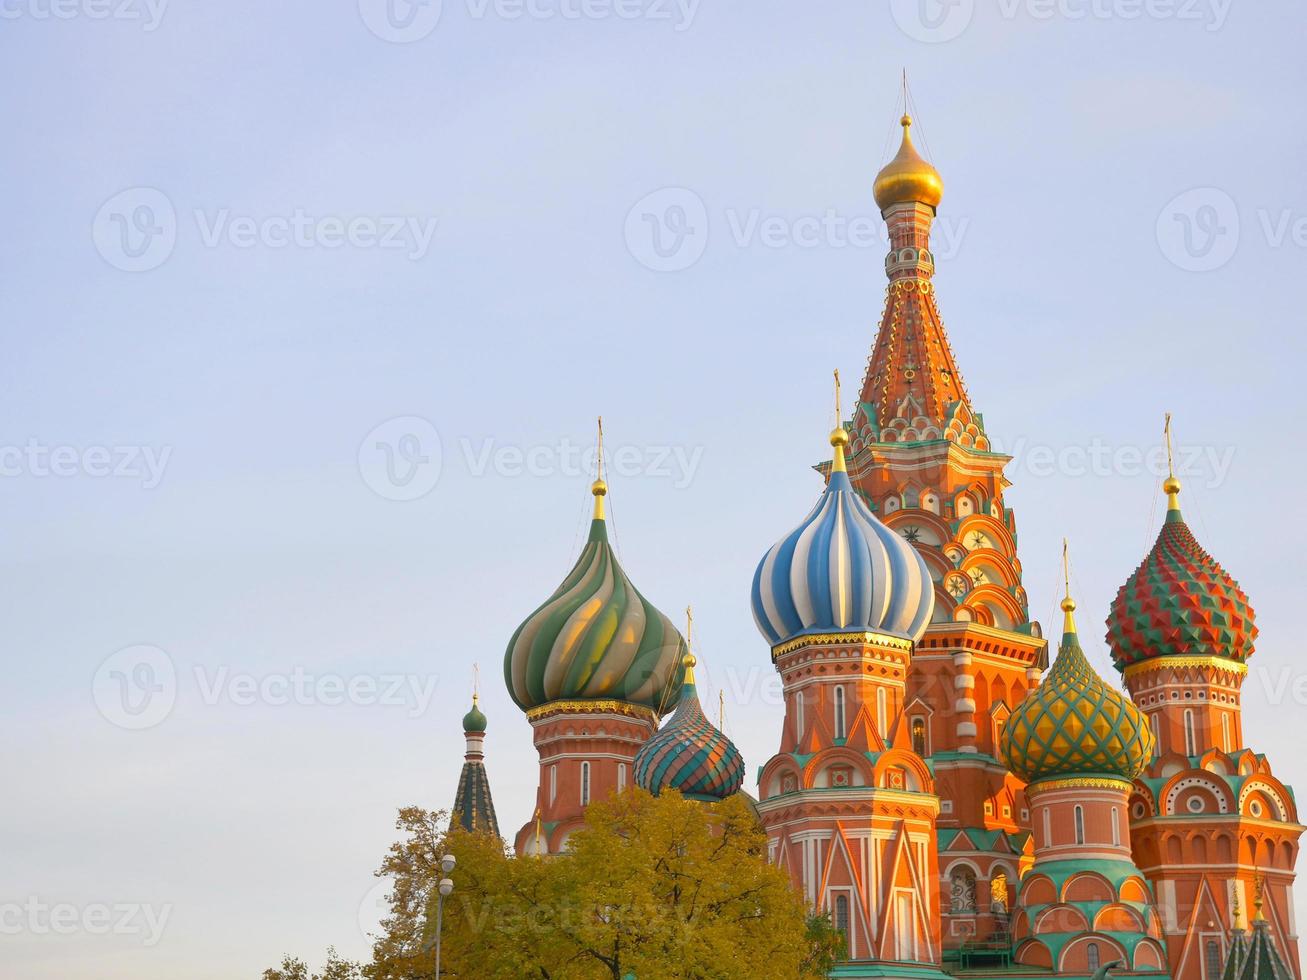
point(1075, 724)
point(690, 755)
point(595, 638)
point(842, 570)
point(1179, 602)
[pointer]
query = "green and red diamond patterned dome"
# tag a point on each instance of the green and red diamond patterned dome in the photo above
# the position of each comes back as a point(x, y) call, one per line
point(1179, 602)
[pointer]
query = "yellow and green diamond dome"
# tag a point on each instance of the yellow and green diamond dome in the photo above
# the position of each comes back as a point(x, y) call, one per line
point(1074, 724)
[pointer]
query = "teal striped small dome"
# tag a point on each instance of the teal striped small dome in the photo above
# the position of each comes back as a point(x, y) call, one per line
point(596, 638)
point(689, 754)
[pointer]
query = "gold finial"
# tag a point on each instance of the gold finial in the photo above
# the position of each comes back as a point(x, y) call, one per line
point(1172, 485)
point(1237, 913)
point(539, 835)
point(838, 437)
point(908, 178)
point(689, 660)
point(1068, 604)
point(599, 487)
point(721, 710)
point(1259, 897)
point(476, 684)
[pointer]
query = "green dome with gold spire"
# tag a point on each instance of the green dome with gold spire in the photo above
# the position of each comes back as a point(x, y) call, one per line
point(475, 720)
point(596, 638)
point(1074, 724)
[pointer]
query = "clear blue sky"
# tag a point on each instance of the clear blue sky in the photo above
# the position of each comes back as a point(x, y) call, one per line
point(235, 382)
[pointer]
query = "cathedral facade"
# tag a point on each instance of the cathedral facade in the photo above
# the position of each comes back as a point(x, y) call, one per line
point(950, 800)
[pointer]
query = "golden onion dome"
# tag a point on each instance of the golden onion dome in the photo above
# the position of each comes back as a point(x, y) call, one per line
point(1074, 724)
point(908, 178)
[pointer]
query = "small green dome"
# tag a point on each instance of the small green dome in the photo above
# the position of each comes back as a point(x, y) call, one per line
point(474, 720)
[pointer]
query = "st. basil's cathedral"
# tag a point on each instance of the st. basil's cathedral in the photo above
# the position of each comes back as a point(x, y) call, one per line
point(951, 801)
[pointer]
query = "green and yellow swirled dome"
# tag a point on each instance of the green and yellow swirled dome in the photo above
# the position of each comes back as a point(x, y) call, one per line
point(596, 638)
point(1074, 724)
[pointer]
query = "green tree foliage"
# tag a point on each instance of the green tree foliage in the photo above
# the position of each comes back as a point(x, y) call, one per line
point(655, 888)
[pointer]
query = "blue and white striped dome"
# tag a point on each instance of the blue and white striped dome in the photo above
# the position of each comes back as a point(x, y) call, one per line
point(842, 570)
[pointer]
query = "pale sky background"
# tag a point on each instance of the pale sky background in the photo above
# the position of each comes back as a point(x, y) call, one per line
point(256, 374)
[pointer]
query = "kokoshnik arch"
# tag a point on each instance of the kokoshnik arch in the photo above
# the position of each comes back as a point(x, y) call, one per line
point(947, 798)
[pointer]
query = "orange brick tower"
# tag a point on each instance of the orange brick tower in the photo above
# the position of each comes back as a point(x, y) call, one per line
point(1207, 816)
point(922, 462)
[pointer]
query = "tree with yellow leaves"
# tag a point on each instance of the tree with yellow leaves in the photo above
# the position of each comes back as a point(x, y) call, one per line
point(653, 888)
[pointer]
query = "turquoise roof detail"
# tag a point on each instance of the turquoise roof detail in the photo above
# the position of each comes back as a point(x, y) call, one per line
point(690, 755)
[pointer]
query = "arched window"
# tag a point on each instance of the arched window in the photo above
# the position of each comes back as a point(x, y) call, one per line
point(842, 917)
point(882, 723)
point(919, 736)
point(963, 891)
point(1157, 733)
point(1211, 960)
point(962, 899)
point(798, 715)
point(585, 784)
point(1116, 827)
point(1190, 743)
point(1227, 742)
point(553, 784)
point(1080, 824)
point(998, 894)
point(621, 776)
point(1091, 956)
point(839, 712)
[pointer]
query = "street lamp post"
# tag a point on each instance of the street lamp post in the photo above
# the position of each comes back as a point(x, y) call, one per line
point(445, 886)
